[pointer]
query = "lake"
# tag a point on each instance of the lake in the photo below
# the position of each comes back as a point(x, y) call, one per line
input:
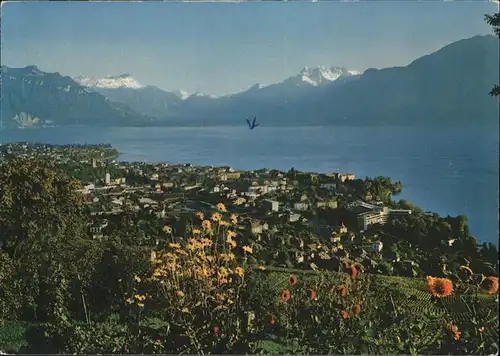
point(450, 171)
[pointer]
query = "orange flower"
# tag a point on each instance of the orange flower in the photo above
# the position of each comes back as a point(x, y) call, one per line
point(491, 285)
point(343, 291)
point(439, 287)
point(285, 295)
point(481, 329)
point(345, 314)
point(292, 280)
point(247, 249)
point(312, 294)
point(454, 330)
point(356, 309)
point(354, 271)
point(272, 320)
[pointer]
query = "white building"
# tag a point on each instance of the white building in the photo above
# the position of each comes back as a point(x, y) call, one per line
point(275, 205)
point(301, 206)
point(108, 179)
point(329, 186)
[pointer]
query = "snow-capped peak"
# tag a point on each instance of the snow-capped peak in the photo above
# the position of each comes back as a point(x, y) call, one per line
point(109, 82)
point(198, 94)
point(182, 94)
point(33, 70)
point(257, 86)
point(322, 75)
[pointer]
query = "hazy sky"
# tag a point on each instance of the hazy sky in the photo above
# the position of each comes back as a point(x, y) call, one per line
point(226, 47)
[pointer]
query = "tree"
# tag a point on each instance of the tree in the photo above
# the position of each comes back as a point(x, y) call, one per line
point(494, 21)
point(38, 205)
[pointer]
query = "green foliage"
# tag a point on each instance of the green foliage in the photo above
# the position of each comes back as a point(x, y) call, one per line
point(38, 205)
point(398, 316)
point(494, 21)
point(10, 303)
point(13, 335)
point(75, 289)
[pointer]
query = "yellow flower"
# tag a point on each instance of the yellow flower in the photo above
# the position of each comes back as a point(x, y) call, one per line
point(231, 234)
point(223, 223)
point(196, 231)
point(223, 271)
point(206, 242)
point(239, 271)
point(130, 300)
point(222, 280)
point(239, 201)
point(221, 207)
point(174, 245)
point(262, 267)
point(141, 305)
point(216, 217)
point(200, 215)
point(167, 229)
point(137, 278)
point(206, 272)
point(206, 224)
point(247, 249)
point(227, 257)
point(230, 242)
point(234, 218)
point(140, 297)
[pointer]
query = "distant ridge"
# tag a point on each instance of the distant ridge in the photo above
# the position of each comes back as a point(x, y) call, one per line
point(447, 87)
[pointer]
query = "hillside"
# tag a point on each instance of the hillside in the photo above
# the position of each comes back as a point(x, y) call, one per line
point(145, 99)
point(447, 87)
point(86, 277)
point(30, 92)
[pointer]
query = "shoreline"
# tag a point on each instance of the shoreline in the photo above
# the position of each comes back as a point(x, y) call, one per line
point(121, 157)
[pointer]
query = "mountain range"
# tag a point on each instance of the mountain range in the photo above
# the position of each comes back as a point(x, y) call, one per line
point(449, 86)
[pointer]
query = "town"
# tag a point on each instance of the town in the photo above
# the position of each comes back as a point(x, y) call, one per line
point(92, 246)
point(294, 219)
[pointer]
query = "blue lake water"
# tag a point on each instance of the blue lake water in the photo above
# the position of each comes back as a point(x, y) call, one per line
point(447, 170)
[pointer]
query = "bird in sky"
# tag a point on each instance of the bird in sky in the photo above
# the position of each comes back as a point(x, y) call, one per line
point(252, 125)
